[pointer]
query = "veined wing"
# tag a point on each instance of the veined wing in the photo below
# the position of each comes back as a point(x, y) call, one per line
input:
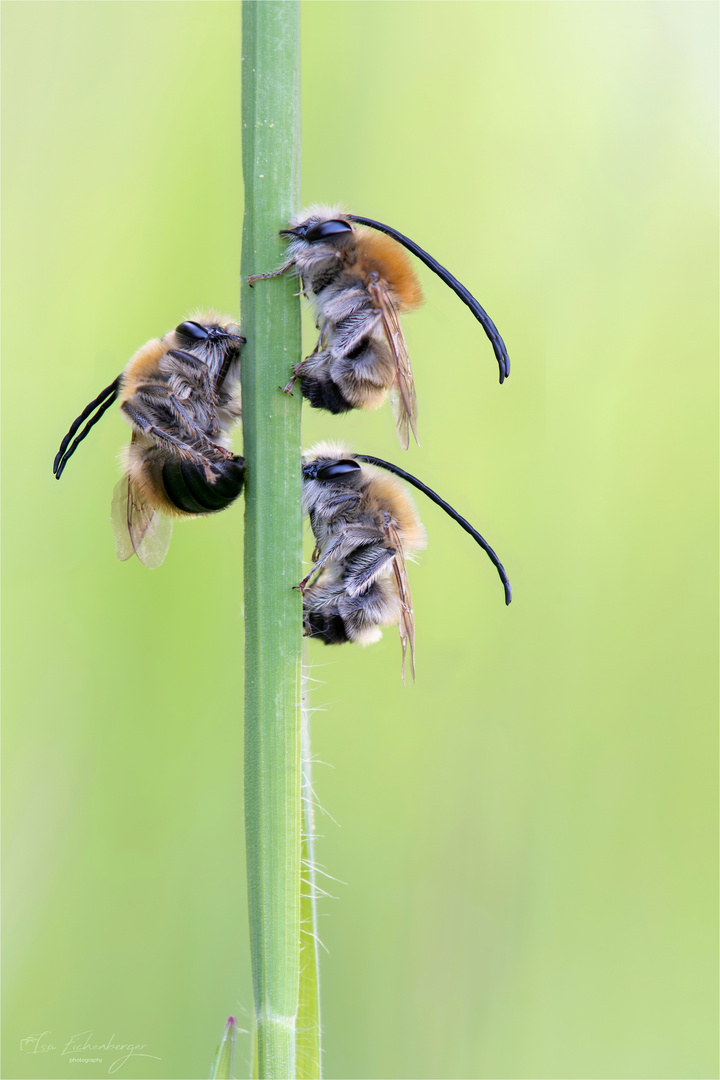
point(139, 529)
point(406, 623)
point(402, 392)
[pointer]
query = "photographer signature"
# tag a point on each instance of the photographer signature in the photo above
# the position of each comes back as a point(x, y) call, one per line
point(82, 1048)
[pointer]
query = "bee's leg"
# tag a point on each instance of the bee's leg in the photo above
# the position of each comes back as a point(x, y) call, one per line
point(191, 374)
point(151, 424)
point(349, 544)
point(218, 384)
point(302, 585)
point(159, 401)
point(190, 371)
point(145, 423)
point(332, 549)
point(324, 326)
point(159, 397)
point(194, 370)
point(298, 370)
point(272, 274)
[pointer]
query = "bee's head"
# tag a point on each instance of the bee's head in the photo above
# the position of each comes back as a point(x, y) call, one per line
point(316, 231)
point(345, 471)
point(196, 333)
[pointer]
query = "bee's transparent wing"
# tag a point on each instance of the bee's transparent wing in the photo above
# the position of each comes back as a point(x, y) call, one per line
point(402, 392)
point(139, 529)
point(406, 623)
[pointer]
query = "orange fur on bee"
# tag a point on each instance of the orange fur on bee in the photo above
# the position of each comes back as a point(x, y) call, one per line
point(141, 367)
point(143, 466)
point(390, 493)
point(383, 255)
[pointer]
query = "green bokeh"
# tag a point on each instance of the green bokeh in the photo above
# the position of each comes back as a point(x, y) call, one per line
point(526, 837)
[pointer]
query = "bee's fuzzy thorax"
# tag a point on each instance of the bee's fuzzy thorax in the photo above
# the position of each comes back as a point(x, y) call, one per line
point(390, 493)
point(141, 366)
point(378, 253)
point(382, 488)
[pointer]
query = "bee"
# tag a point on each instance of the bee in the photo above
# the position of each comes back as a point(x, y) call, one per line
point(364, 523)
point(181, 396)
point(360, 281)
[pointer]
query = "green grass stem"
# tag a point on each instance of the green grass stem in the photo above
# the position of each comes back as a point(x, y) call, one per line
point(273, 529)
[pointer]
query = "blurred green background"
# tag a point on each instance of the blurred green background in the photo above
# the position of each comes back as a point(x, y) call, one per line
point(527, 837)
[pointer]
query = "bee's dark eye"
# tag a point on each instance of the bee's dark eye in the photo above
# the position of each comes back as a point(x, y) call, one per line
point(324, 229)
point(192, 330)
point(337, 469)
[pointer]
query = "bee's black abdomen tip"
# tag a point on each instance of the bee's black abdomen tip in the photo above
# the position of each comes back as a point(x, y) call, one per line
point(189, 489)
point(324, 394)
point(326, 627)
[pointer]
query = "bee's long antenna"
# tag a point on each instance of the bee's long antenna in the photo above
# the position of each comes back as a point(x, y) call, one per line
point(479, 312)
point(448, 510)
point(102, 403)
